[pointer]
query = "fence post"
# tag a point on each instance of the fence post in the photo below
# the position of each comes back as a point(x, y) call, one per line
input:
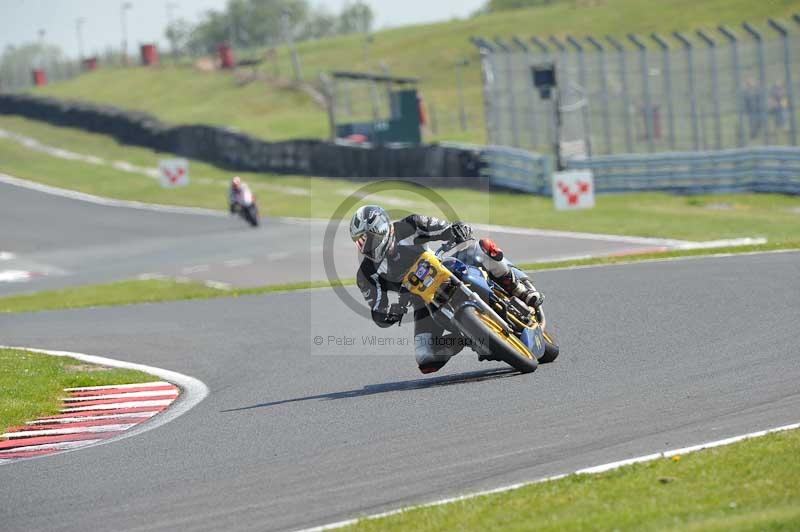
point(787, 75)
point(737, 81)
point(712, 58)
point(487, 79)
point(562, 52)
point(533, 126)
point(604, 94)
point(648, 107)
point(762, 79)
point(687, 45)
point(625, 96)
point(545, 50)
point(666, 67)
point(462, 112)
point(511, 100)
point(587, 123)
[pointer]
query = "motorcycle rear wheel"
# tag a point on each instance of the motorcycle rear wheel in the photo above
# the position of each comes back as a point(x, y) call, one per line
point(483, 330)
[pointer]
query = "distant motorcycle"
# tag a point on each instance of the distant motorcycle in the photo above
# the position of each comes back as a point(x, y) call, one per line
point(245, 206)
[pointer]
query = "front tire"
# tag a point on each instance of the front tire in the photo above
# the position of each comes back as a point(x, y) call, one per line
point(550, 348)
point(484, 331)
point(251, 215)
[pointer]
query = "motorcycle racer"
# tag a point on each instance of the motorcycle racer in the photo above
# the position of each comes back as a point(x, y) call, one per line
point(237, 191)
point(390, 248)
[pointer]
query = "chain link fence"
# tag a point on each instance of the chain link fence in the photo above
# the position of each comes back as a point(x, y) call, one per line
point(708, 90)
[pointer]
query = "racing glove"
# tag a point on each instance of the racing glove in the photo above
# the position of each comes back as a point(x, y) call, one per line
point(461, 232)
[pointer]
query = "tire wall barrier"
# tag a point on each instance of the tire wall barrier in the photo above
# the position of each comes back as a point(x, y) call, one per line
point(427, 164)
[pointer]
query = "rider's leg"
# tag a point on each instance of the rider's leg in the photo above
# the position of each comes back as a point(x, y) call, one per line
point(512, 279)
point(432, 348)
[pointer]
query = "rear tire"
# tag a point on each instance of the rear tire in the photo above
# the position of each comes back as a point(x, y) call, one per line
point(550, 348)
point(482, 330)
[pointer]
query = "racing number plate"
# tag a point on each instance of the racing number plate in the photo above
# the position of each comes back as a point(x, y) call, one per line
point(425, 277)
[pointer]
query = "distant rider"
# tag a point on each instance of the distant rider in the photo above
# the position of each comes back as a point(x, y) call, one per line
point(390, 248)
point(237, 192)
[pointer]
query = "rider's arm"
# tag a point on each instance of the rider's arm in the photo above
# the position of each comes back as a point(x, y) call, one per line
point(369, 283)
point(428, 229)
point(424, 229)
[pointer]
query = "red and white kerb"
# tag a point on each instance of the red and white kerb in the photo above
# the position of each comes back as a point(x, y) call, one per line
point(88, 415)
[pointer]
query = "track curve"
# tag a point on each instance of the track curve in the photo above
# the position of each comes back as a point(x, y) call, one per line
point(656, 355)
point(65, 241)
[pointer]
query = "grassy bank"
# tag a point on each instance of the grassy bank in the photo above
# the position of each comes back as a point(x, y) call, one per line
point(33, 383)
point(185, 95)
point(773, 216)
point(750, 485)
point(135, 291)
point(157, 291)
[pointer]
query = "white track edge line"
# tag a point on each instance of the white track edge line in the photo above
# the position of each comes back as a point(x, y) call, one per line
point(78, 419)
point(634, 261)
point(193, 392)
point(25, 434)
point(117, 406)
point(129, 395)
point(118, 386)
point(586, 471)
point(108, 202)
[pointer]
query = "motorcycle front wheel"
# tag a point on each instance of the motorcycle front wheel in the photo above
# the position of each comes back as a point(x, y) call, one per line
point(251, 215)
point(550, 348)
point(483, 331)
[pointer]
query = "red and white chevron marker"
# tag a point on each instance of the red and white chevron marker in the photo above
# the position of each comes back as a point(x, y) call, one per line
point(88, 415)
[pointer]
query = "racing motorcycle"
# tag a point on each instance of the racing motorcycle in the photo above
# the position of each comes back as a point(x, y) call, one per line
point(246, 207)
point(463, 300)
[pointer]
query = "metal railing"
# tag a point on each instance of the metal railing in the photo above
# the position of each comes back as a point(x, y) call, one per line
point(516, 169)
point(761, 169)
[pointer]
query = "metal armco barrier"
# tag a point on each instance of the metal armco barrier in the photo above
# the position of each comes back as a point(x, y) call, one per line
point(515, 169)
point(762, 169)
point(767, 169)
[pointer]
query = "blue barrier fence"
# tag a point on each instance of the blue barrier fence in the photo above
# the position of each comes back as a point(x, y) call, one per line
point(761, 169)
point(516, 169)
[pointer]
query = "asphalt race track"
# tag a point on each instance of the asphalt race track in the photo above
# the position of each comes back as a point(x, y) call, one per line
point(65, 242)
point(655, 356)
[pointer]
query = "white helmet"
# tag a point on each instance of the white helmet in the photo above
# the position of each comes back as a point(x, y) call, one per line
point(372, 231)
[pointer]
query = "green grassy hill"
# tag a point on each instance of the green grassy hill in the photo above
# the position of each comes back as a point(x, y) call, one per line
point(185, 95)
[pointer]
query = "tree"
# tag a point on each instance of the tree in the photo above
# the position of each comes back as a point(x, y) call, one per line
point(321, 23)
point(179, 33)
point(356, 18)
point(208, 34)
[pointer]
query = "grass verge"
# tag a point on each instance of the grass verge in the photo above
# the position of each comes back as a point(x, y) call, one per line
point(136, 291)
point(751, 485)
point(774, 216)
point(427, 51)
point(640, 257)
point(33, 383)
point(155, 291)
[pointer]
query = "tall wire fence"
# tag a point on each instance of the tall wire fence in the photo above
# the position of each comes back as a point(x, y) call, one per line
point(705, 90)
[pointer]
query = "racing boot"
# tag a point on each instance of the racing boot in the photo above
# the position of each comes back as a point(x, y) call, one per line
point(519, 285)
point(511, 279)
